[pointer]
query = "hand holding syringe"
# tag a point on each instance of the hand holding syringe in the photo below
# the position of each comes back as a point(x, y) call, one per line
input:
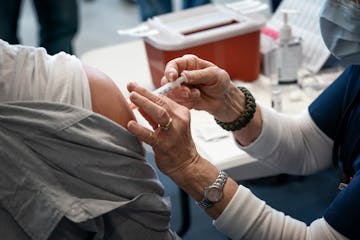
point(164, 89)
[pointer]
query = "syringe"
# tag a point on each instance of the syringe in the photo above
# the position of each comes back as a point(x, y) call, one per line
point(164, 89)
point(170, 85)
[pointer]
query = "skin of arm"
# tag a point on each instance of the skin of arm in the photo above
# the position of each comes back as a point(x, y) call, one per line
point(213, 88)
point(176, 156)
point(210, 88)
point(200, 174)
point(106, 98)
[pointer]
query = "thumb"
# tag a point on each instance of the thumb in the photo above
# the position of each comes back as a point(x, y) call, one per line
point(207, 76)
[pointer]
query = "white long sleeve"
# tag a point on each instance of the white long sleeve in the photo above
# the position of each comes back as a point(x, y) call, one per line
point(291, 144)
point(30, 74)
point(247, 217)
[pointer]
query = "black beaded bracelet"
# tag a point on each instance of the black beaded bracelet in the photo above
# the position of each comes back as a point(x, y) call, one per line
point(243, 119)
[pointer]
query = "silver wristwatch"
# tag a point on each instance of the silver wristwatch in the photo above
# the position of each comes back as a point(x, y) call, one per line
point(214, 192)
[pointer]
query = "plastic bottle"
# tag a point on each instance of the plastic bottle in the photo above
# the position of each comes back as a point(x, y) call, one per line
point(289, 53)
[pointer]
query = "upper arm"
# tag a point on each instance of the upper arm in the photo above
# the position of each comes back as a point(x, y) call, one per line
point(106, 97)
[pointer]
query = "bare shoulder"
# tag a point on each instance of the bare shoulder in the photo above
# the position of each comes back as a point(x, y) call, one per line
point(107, 98)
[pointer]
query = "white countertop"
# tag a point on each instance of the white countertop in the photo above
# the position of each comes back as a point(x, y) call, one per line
point(128, 62)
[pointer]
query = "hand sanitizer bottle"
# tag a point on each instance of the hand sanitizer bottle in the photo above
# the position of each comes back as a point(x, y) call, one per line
point(289, 53)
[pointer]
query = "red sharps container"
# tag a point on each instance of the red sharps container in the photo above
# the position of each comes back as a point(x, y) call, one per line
point(227, 38)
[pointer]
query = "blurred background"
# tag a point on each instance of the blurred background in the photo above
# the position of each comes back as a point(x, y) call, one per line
point(304, 198)
point(99, 21)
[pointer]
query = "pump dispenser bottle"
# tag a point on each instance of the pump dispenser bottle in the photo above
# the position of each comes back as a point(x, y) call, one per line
point(289, 53)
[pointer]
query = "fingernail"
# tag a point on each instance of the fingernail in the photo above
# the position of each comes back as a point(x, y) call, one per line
point(131, 124)
point(163, 80)
point(133, 96)
point(132, 85)
point(195, 93)
point(172, 76)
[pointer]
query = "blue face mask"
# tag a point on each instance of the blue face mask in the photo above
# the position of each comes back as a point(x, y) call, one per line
point(340, 29)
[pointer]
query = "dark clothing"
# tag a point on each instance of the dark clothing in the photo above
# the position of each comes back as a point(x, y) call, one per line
point(58, 21)
point(275, 4)
point(337, 113)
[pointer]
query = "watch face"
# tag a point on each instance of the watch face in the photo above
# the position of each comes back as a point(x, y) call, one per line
point(213, 194)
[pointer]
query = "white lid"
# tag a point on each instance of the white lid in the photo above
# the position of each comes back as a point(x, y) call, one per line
point(200, 25)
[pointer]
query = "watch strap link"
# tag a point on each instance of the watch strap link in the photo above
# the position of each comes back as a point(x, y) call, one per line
point(205, 203)
point(219, 183)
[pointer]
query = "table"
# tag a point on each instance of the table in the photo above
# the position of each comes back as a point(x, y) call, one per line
point(128, 62)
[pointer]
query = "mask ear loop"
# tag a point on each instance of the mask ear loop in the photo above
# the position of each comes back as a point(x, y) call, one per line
point(339, 138)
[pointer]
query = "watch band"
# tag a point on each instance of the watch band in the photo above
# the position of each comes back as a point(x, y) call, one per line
point(219, 184)
point(204, 203)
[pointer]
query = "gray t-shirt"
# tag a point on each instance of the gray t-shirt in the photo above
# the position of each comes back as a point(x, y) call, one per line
point(59, 161)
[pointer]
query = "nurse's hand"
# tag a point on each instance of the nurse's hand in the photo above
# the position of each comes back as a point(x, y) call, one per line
point(170, 137)
point(208, 88)
point(175, 152)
